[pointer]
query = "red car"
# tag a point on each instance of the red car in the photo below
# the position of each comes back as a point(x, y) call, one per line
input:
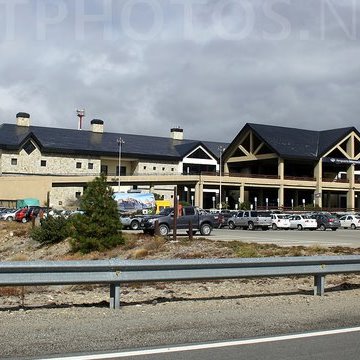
point(24, 215)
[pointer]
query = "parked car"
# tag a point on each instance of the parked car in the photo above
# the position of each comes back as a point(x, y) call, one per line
point(224, 216)
point(302, 221)
point(218, 219)
point(131, 222)
point(350, 221)
point(250, 220)
point(200, 221)
point(9, 215)
point(280, 221)
point(27, 213)
point(23, 215)
point(326, 221)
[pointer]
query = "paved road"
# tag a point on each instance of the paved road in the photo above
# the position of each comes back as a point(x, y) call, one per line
point(341, 237)
point(327, 345)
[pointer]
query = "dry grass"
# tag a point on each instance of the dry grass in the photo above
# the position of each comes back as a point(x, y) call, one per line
point(10, 291)
point(16, 227)
point(138, 254)
point(19, 257)
point(15, 245)
point(155, 244)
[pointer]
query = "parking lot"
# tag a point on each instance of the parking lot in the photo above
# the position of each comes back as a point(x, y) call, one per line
point(341, 237)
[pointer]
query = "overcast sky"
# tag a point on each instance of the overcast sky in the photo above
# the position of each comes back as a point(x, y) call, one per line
point(208, 66)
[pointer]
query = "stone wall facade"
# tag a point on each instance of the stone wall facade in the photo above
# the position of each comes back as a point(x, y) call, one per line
point(37, 163)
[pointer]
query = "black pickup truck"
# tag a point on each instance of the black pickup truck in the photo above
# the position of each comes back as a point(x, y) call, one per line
point(199, 219)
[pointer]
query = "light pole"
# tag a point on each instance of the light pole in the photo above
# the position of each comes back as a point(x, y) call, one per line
point(213, 200)
point(303, 201)
point(221, 149)
point(192, 200)
point(267, 203)
point(120, 143)
point(255, 201)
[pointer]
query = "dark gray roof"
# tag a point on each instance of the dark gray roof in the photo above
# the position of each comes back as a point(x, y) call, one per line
point(295, 143)
point(68, 141)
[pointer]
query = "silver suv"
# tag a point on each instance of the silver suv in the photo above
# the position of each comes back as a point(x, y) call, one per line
point(250, 220)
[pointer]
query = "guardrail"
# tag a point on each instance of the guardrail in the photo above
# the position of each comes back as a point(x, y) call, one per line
point(115, 272)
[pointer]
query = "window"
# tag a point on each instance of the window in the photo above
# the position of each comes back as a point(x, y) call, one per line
point(122, 172)
point(189, 211)
point(172, 169)
point(78, 165)
point(29, 147)
point(90, 166)
point(144, 167)
point(104, 169)
point(163, 169)
point(154, 168)
point(78, 194)
point(13, 161)
point(43, 163)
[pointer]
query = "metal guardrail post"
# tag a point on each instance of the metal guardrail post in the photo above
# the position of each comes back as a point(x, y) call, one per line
point(175, 214)
point(156, 228)
point(114, 296)
point(319, 285)
point(191, 231)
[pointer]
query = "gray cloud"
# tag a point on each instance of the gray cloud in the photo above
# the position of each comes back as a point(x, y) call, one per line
point(207, 66)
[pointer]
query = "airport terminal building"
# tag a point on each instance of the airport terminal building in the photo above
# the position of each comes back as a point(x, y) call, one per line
point(267, 166)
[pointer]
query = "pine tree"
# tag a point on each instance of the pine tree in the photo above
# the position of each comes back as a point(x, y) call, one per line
point(99, 228)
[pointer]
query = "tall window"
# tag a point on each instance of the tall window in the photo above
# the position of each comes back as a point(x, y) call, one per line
point(104, 169)
point(122, 172)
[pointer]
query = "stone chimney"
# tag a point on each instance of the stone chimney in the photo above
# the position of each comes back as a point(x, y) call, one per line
point(23, 119)
point(177, 133)
point(97, 126)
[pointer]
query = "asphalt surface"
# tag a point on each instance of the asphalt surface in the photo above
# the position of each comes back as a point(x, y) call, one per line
point(340, 344)
point(341, 237)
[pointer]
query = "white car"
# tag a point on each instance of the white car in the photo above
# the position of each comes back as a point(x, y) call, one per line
point(9, 216)
point(302, 221)
point(280, 221)
point(350, 221)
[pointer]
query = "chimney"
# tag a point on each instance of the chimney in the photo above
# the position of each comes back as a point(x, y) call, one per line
point(97, 126)
point(23, 119)
point(177, 133)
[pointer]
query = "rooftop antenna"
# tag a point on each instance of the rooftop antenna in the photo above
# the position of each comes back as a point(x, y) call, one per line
point(80, 114)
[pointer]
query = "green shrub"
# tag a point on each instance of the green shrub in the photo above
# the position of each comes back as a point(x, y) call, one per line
point(99, 228)
point(52, 230)
point(245, 205)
